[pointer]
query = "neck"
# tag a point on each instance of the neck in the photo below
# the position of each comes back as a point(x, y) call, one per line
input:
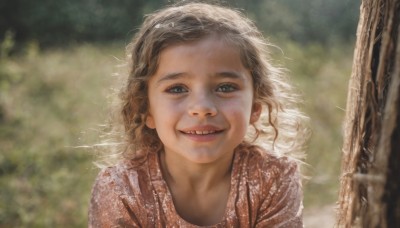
point(194, 176)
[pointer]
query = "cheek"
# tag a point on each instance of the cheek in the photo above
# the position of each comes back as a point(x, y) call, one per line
point(238, 110)
point(165, 113)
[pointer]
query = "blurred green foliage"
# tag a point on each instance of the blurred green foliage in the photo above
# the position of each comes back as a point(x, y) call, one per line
point(53, 99)
point(60, 21)
point(305, 21)
point(321, 75)
point(49, 102)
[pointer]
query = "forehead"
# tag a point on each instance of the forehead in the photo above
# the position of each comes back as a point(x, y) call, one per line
point(213, 52)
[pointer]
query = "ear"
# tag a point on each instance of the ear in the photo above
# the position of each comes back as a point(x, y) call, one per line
point(255, 112)
point(150, 122)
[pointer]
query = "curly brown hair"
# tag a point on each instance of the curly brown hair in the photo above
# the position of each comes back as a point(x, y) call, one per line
point(194, 21)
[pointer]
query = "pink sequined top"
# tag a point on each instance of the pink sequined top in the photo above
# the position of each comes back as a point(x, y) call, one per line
point(265, 192)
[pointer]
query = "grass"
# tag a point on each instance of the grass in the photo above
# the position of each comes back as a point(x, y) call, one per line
point(52, 101)
point(49, 102)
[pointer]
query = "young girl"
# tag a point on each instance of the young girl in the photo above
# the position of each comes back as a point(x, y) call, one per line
point(199, 93)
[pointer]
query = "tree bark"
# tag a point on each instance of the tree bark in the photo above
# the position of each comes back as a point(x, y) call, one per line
point(370, 183)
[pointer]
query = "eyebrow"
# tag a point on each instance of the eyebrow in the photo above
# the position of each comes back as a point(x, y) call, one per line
point(170, 76)
point(222, 74)
point(230, 74)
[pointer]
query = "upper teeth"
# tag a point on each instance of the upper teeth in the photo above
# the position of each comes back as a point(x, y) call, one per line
point(200, 132)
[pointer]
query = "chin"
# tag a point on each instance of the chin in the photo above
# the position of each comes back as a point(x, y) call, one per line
point(203, 159)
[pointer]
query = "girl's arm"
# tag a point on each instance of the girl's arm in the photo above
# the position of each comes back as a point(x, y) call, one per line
point(283, 207)
point(108, 205)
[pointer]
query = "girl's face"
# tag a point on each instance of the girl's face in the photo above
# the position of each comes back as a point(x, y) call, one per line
point(201, 100)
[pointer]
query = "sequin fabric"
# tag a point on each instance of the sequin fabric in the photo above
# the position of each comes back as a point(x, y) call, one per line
point(265, 192)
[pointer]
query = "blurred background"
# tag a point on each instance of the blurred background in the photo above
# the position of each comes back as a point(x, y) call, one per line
point(58, 60)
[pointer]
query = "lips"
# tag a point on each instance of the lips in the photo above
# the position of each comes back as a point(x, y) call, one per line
point(199, 132)
point(202, 130)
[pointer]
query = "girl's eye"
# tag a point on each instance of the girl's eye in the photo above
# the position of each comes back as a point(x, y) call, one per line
point(226, 88)
point(176, 89)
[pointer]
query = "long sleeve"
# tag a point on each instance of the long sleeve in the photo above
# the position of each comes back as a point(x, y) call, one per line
point(283, 205)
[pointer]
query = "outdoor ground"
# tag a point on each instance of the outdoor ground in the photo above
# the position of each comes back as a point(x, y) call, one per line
point(319, 217)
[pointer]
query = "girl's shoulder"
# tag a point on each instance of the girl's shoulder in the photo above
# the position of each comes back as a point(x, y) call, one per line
point(124, 172)
point(260, 162)
point(118, 190)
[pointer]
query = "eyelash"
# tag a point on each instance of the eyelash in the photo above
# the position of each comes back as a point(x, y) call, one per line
point(222, 88)
point(231, 87)
point(172, 89)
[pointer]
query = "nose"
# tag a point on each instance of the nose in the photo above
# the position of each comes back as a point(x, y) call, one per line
point(202, 106)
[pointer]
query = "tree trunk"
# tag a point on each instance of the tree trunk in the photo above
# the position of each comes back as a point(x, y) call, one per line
point(370, 184)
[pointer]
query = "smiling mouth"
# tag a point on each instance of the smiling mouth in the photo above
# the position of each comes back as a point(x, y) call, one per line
point(200, 132)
